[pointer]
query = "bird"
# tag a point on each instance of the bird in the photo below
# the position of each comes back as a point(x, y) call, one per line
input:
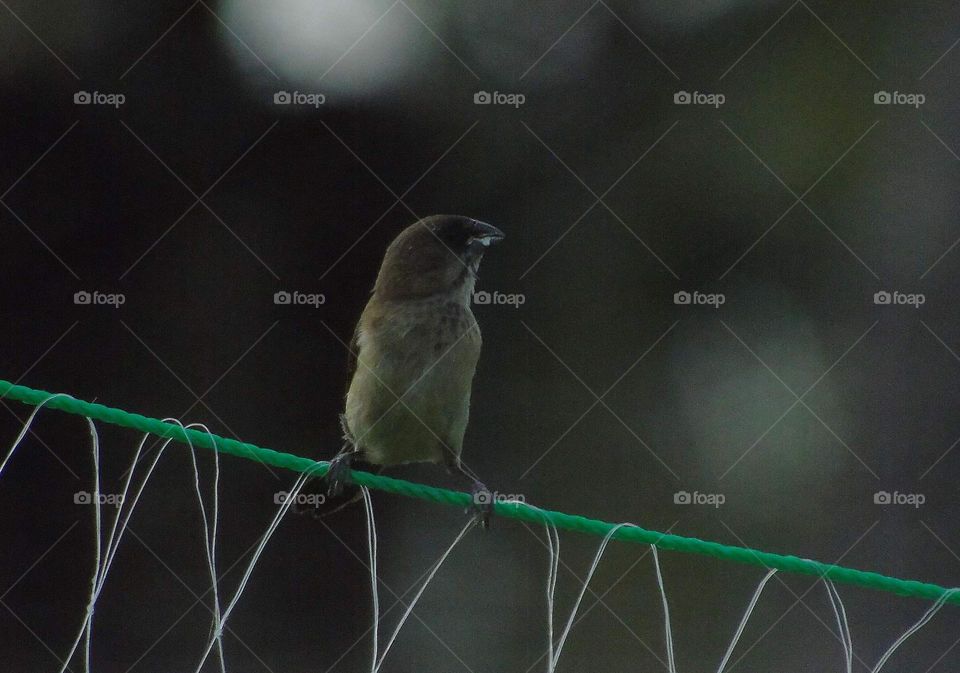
point(412, 361)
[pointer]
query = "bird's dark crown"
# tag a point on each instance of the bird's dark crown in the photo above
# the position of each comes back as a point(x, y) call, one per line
point(437, 254)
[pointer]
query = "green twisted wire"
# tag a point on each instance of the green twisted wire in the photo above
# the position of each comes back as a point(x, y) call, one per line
point(519, 511)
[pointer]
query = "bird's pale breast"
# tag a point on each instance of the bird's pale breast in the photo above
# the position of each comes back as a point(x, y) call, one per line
point(409, 399)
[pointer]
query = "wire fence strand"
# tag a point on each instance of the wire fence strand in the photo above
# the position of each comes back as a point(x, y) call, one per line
point(510, 510)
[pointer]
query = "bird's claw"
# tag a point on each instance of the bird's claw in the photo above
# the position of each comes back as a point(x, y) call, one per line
point(338, 474)
point(482, 505)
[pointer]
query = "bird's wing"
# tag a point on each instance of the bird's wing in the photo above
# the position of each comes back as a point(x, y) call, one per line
point(352, 353)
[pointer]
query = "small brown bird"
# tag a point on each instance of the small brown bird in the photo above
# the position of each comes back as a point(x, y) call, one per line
point(413, 356)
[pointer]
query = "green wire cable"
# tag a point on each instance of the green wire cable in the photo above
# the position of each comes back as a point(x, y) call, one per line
point(520, 511)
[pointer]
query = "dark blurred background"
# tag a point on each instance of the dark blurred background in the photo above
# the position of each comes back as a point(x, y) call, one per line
point(792, 199)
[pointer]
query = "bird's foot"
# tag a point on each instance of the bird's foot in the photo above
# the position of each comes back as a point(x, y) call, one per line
point(338, 475)
point(482, 505)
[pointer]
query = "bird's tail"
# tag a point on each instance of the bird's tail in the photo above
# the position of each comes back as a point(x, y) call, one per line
point(316, 500)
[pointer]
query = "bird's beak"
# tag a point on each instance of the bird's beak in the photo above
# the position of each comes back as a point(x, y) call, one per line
point(485, 234)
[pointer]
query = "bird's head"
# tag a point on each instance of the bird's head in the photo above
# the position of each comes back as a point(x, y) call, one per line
point(440, 253)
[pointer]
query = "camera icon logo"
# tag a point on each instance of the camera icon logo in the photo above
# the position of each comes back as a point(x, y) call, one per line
point(482, 498)
point(82, 498)
point(881, 498)
point(481, 297)
point(282, 98)
point(482, 98)
point(282, 297)
point(682, 498)
point(682, 98)
point(82, 297)
point(82, 98)
point(681, 298)
point(882, 297)
point(881, 98)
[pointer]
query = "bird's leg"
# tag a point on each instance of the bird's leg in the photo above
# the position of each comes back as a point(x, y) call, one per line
point(482, 505)
point(339, 472)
